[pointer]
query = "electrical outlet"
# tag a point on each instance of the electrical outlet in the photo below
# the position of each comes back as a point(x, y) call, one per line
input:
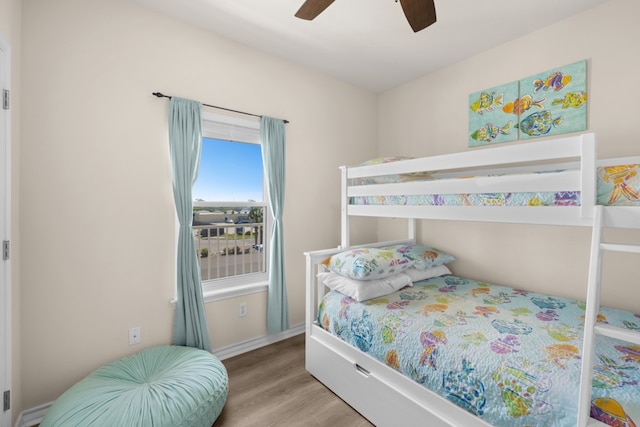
point(242, 309)
point(134, 335)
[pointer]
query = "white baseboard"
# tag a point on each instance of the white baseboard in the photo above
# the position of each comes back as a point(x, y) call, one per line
point(255, 343)
point(33, 416)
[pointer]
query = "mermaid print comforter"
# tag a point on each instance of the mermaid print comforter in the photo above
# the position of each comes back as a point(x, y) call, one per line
point(508, 356)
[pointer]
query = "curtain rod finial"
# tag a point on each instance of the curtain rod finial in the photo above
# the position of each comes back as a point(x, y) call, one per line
point(158, 94)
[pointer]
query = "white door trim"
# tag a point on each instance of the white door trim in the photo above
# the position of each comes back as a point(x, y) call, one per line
point(5, 231)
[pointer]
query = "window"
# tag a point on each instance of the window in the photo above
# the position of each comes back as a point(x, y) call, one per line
point(230, 211)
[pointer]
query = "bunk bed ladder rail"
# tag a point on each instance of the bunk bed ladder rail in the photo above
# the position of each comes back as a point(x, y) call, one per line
point(591, 327)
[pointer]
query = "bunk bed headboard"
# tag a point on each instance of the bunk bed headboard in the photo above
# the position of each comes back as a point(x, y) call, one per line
point(314, 265)
point(571, 158)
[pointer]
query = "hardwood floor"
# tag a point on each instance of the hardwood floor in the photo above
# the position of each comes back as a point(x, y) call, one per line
point(270, 387)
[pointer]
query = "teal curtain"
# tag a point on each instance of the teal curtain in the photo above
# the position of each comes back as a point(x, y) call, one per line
point(185, 141)
point(273, 158)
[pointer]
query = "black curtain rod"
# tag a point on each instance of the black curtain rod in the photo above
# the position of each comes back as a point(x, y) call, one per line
point(161, 95)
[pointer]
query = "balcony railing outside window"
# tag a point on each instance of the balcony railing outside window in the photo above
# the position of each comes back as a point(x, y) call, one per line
point(229, 245)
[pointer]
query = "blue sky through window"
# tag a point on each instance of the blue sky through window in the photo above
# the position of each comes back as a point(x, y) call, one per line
point(229, 171)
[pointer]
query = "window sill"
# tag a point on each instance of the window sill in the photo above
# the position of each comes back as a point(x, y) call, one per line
point(232, 291)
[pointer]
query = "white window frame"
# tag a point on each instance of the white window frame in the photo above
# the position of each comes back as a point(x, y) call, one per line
point(235, 129)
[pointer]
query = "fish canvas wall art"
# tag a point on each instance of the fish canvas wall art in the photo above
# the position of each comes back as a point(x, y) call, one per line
point(488, 122)
point(548, 103)
point(558, 102)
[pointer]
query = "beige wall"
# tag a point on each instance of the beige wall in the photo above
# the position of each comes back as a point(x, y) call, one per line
point(429, 116)
point(96, 160)
point(10, 28)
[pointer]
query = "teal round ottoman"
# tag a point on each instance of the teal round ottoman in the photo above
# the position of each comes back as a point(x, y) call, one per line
point(165, 386)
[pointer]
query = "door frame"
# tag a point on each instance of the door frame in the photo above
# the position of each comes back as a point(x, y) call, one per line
point(5, 231)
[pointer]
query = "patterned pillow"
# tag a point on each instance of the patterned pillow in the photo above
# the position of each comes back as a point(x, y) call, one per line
point(421, 256)
point(368, 263)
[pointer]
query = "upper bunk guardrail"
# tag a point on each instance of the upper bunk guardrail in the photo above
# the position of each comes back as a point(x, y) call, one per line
point(494, 170)
point(541, 152)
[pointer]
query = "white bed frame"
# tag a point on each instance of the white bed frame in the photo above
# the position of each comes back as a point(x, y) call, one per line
point(371, 387)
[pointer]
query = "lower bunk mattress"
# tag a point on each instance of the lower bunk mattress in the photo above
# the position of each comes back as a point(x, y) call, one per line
point(508, 356)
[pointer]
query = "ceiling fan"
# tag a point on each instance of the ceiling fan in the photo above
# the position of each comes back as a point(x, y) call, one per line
point(419, 13)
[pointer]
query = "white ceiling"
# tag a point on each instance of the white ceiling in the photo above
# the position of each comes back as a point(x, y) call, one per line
point(369, 43)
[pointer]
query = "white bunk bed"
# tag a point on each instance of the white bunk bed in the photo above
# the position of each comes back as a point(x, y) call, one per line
point(371, 386)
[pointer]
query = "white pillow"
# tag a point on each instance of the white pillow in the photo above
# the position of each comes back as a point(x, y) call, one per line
point(417, 275)
point(362, 290)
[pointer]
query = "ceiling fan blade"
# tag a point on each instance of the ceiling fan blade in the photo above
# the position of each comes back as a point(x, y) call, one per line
point(419, 13)
point(312, 8)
